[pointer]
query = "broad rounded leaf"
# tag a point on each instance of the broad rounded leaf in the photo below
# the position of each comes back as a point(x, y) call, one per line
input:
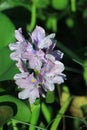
point(5, 60)
point(60, 4)
point(6, 30)
point(6, 113)
point(7, 67)
point(23, 112)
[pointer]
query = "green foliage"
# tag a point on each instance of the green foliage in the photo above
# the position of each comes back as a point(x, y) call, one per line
point(73, 5)
point(85, 72)
point(7, 66)
point(35, 115)
point(22, 111)
point(68, 20)
point(85, 13)
point(60, 4)
point(46, 112)
point(52, 23)
point(6, 30)
point(41, 3)
point(6, 113)
point(61, 111)
point(50, 97)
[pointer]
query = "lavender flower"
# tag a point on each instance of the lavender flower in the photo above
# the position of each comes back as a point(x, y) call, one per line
point(29, 84)
point(39, 39)
point(19, 47)
point(36, 58)
point(52, 73)
point(39, 64)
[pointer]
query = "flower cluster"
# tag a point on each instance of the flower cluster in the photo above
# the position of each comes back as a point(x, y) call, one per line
point(38, 62)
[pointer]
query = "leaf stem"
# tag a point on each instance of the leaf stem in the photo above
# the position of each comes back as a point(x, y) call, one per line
point(1, 127)
point(58, 117)
point(73, 5)
point(14, 124)
point(33, 18)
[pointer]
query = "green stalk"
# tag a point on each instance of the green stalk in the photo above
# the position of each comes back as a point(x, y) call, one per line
point(73, 5)
point(46, 112)
point(1, 127)
point(33, 18)
point(14, 124)
point(35, 116)
point(62, 111)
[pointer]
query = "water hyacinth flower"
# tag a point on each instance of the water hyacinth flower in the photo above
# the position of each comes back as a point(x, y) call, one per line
point(39, 64)
point(29, 84)
point(39, 39)
point(52, 73)
point(19, 47)
point(36, 58)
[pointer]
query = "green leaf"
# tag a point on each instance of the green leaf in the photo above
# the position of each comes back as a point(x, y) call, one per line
point(85, 72)
point(23, 112)
point(6, 113)
point(61, 113)
point(84, 109)
point(50, 97)
point(6, 30)
point(11, 4)
point(46, 112)
point(52, 23)
point(35, 116)
point(41, 3)
point(5, 60)
point(9, 73)
point(7, 66)
point(60, 4)
point(85, 13)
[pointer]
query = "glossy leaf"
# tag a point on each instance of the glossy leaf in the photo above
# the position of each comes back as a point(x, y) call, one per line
point(7, 66)
point(35, 116)
point(46, 112)
point(6, 30)
point(22, 113)
point(6, 113)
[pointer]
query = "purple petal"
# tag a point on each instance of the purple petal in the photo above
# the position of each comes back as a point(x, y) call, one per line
point(14, 46)
point(21, 66)
point(57, 54)
point(20, 49)
point(37, 35)
point(33, 95)
point(46, 42)
point(24, 94)
point(21, 75)
point(58, 79)
point(47, 85)
point(30, 93)
point(19, 36)
point(50, 57)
